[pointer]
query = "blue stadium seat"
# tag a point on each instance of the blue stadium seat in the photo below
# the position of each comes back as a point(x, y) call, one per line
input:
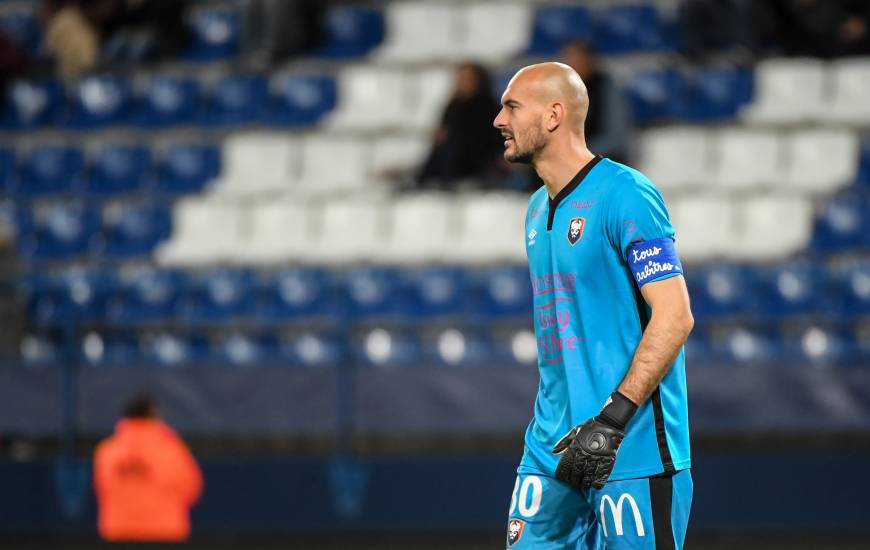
point(113, 349)
point(383, 347)
point(628, 28)
point(218, 296)
point(817, 345)
point(100, 100)
point(556, 25)
point(61, 231)
point(657, 96)
point(23, 29)
point(514, 344)
point(41, 349)
point(215, 34)
point(311, 348)
point(33, 103)
point(187, 167)
point(146, 296)
point(437, 292)
point(502, 292)
point(174, 349)
point(746, 345)
point(352, 31)
point(299, 100)
point(134, 229)
point(300, 294)
point(852, 288)
point(167, 101)
point(374, 292)
point(458, 347)
point(790, 289)
point(120, 169)
point(842, 224)
point(863, 176)
point(241, 349)
point(236, 99)
point(48, 169)
point(717, 93)
point(75, 295)
point(720, 291)
point(8, 176)
point(698, 348)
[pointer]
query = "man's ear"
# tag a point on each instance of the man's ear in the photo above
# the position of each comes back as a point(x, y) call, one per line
point(555, 117)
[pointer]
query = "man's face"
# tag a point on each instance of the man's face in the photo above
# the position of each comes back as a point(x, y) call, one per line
point(520, 122)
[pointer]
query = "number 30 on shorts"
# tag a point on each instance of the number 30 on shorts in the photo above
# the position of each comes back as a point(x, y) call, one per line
point(527, 496)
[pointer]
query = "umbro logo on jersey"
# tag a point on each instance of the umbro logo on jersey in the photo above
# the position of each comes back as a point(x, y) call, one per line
point(575, 230)
point(532, 234)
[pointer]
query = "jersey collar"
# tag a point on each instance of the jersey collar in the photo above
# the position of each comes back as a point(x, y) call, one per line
point(572, 185)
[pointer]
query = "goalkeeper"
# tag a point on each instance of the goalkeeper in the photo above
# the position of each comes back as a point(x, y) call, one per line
point(606, 459)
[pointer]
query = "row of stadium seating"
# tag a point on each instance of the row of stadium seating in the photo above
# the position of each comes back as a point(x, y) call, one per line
point(508, 345)
point(225, 297)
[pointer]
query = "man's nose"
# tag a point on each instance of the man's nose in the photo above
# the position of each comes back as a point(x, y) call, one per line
point(499, 122)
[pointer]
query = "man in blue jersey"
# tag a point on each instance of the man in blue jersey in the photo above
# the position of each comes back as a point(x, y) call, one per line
point(606, 461)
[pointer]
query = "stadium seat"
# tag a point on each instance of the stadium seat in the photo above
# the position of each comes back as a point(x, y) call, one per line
point(8, 169)
point(432, 88)
point(863, 175)
point(820, 160)
point(746, 158)
point(387, 348)
point(787, 91)
point(241, 349)
point(172, 349)
point(370, 98)
point(33, 103)
point(256, 164)
point(398, 153)
point(100, 100)
point(772, 226)
point(457, 347)
point(490, 229)
point(167, 100)
point(280, 231)
point(502, 293)
point(300, 100)
point(555, 25)
point(38, 350)
point(321, 174)
point(112, 349)
point(720, 290)
point(316, 349)
point(351, 230)
point(134, 229)
point(514, 344)
point(745, 345)
point(789, 289)
point(374, 293)
point(215, 34)
point(852, 287)
point(119, 169)
point(841, 225)
point(352, 31)
point(716, 94)
point(186, 167)
point(437, 292)
point(627, 28)
point(850, 79)
point(206, 231)
point(218, 296)
point(147, 296)
point(48, 169)
point(235, 100)
point(420, 31)
point(484, 37)
point(817, 345)
point(302, 295)
point(705, 225)
point(61, 231)
point(420, 229)
point(676, 157)
point(75, 295)
point(657, 96)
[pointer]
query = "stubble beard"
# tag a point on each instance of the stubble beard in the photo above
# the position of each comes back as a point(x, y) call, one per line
point(527, 156)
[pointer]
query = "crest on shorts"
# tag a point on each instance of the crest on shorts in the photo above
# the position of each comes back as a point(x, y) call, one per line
point(515, 531)
point(575, 230)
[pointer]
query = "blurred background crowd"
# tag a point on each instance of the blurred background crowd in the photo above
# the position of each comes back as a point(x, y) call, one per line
point(291, 223)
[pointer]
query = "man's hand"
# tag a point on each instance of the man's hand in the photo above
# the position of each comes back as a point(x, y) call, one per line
point(588, 452)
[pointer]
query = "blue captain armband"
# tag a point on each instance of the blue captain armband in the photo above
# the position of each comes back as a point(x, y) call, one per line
point(653, 260)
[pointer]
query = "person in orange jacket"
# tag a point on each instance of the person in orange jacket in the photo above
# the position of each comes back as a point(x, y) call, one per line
point(145, 478)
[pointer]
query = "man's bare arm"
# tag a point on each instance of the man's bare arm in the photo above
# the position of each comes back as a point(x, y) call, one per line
point(669, 326)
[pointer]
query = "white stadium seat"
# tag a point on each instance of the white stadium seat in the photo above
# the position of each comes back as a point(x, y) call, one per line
point(350, 230)
point(370, 98)
point(491, 229)
point(787, 91)
point(772, 226)
point(278, 232)
point(420, 31)
point(256, 163)
point(331, 163)
point(402, 153)
point(849, 102)
point(205, 231)
point(675, 158)
point(484, 36)
point(704, 226)
point(420, 229)
point(821, 160)
point(745, 158)
point(431, 89)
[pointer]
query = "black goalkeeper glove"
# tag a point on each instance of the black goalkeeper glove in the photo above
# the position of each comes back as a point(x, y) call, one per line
point(588, 451)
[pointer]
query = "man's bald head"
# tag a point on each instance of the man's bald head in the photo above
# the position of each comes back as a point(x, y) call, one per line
point(554, 83)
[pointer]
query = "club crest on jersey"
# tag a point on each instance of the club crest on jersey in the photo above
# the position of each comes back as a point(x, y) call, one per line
point(515, 531)
point(575, 230)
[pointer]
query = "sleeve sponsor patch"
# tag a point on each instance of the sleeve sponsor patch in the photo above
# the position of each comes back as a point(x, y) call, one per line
point(653, 260)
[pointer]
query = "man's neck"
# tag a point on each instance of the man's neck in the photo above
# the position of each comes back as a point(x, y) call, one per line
point(558, 168)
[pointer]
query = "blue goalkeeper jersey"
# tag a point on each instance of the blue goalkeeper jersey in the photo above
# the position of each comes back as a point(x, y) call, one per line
point(591, 248)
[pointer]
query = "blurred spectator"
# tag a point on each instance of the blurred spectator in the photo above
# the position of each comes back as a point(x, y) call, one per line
point(70, 37)
point(13, 61)
point(465, 144)
point(822, 28)
point(146, 479)
point(608, 124)
point(711, 26)
point(142, 30)
point(277, 29)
